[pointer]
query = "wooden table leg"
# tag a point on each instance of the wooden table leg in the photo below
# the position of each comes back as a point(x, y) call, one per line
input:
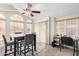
point(34, 42)
point(14, 47)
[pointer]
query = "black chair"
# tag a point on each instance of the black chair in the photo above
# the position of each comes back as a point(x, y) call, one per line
point(28, 44)
point(7, 44)
point(68, 41)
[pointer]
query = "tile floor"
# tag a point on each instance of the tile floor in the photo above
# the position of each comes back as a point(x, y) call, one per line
point(47, 50)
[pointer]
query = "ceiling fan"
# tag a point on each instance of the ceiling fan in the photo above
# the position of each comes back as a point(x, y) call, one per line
point(29, 11)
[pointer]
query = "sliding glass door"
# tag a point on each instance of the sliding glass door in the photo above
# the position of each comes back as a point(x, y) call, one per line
point(36, 29)
point(41, 30)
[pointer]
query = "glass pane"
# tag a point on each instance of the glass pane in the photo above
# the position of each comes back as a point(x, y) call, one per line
point(16, 27)
point(60, 27)
point(29, 28)
point(2, 16)
point(17, 18)
point(29, 21)
point(2, 27)
point(72, 27)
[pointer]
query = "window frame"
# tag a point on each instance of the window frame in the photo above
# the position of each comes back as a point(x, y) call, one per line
point(65, 26)
point(4, 26)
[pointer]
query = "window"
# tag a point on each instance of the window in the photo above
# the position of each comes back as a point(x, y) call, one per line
point(29, 21)
point(72, 27)
point(16, 27)
point(16, 24)
point(2, 27)
point(2, 24)
point(29, 27)
point(60, 27)
point(17, 17)
point(2, 16)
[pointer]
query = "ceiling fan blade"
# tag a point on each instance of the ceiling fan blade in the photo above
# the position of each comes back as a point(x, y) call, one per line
point(31, 14)
point(23, 13)
point(36, 11)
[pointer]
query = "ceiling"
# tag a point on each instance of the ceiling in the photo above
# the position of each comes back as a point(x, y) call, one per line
point(7, 7)
point(57, 10)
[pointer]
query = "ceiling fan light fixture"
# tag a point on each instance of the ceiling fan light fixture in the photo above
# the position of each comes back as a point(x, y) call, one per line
point(28, 13)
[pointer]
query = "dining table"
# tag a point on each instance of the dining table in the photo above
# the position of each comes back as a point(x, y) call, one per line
point(19, 37)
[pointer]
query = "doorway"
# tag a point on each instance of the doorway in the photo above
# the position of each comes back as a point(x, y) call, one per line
point(41, 30)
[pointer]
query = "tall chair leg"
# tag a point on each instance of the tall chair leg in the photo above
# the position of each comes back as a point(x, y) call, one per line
point(77, 47)
point(74, 49)
point(20, 48)
point(25, 50)
point(28, 47)
point(10, 48)
point(5, 51)
point(32, 50)
point(17, 47)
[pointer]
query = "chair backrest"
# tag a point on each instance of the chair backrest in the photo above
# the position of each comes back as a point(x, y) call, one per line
point(10, 38)
point(29, 38)
point(5, 41)
point(67, 41)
